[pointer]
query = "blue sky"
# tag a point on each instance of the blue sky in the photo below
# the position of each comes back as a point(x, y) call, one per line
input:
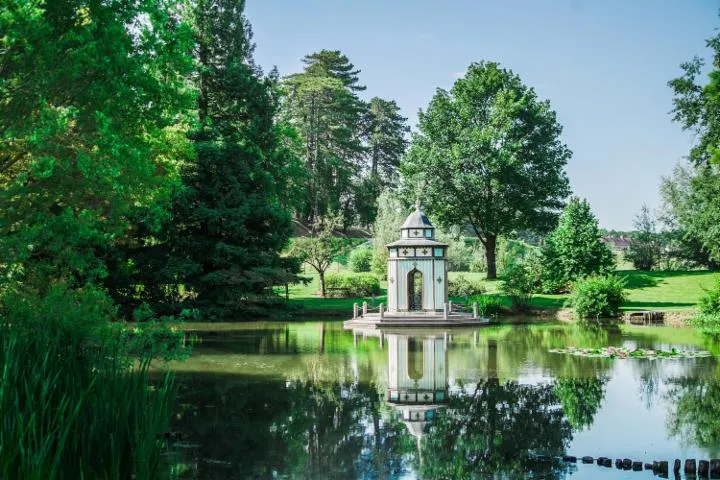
point(603, 64)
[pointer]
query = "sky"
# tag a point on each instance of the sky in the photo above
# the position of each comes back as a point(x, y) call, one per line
point(603, 64)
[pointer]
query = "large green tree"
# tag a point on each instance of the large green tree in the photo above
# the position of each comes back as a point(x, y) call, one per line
point(91, 102)
point(228, 225)
point(697, 108)
point(488, 155)
point(323, 106)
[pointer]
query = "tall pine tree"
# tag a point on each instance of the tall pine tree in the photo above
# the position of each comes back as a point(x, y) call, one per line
point(229, 226)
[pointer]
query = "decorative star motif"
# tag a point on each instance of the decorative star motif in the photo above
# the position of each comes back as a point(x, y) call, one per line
point(425, 251)
point(405, 252)
point(439, 279)
point(416, 233)
point(426, 397)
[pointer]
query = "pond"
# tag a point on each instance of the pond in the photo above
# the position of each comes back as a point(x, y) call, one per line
point(312, 400)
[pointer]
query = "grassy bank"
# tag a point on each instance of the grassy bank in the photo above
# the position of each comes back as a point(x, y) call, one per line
point(666, 291)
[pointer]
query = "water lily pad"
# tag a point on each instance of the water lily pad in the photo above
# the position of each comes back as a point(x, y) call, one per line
point(622, 352)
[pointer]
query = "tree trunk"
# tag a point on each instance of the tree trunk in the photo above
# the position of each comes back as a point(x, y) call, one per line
point(490, 243)
point(322, 284)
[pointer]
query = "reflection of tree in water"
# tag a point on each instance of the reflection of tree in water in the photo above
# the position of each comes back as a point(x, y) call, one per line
point(492, 433)
point(695, 411)
point(581, 399)
point(317, 427)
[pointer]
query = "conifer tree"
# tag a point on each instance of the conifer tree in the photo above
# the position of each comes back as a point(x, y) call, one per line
point(229, 226)
point(574, 249)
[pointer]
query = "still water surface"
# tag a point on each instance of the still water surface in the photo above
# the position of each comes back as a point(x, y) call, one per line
point(311, 400)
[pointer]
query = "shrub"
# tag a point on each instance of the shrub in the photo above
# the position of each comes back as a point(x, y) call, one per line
point(462, 287)
point(710, 302)
point(352, 285)
point(597, 297)
point(488, 305)
point(519, 283)
point(361, 259)
point(708, 320)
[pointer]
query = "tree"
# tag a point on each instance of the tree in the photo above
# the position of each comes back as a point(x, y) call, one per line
point(323, 107)
point(386, 138)
point(689, 206)
point(644, 251)
point(696, 108)
point(92, 102)
point(320, 249)
point(386, 229)
point(228, 225)
point(574, 249)
point(488, 155)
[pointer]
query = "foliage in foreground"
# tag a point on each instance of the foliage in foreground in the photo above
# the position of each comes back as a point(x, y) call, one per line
point(352, 285)
point(72, 404)
point(597, 297)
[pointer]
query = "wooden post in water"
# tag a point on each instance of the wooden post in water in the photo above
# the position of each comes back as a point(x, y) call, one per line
point(355, 310)
point(445, 311)
point(364, 308)
point(382, 310)
point(449, 306)
point(475, 311)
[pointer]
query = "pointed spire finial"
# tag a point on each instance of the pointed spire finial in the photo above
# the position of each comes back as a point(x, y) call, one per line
point(417, 204)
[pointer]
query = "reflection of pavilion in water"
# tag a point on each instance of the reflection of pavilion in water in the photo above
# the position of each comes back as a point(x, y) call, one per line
point(417, 378)
point(418, 385)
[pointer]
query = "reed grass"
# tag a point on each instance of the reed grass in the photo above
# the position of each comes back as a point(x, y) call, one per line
point(72, 404)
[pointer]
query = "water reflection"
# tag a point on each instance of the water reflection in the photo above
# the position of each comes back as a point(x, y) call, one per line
point(312, 401)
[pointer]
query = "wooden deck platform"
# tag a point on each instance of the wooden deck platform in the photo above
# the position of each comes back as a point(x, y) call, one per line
point(414, 320)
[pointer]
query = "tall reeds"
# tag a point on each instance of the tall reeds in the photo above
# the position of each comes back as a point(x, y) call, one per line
point(72, 404)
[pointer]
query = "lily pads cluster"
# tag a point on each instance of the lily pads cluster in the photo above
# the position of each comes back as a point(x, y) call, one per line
point(622, 352)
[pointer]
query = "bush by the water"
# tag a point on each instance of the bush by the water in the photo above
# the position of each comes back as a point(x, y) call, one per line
point(597, 297)
point(708, 318)
point(345, 285)
point(463, 287)
point(488, 305)
point(361, 259)
point(519, 283)
point(72, 403)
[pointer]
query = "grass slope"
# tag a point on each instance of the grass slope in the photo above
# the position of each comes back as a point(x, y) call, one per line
point(645, 291)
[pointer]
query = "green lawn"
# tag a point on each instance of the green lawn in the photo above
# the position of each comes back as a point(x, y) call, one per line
point(645, 291)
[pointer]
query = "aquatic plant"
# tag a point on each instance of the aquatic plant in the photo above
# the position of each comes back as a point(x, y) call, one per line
point(622, 352)
point(72, 403)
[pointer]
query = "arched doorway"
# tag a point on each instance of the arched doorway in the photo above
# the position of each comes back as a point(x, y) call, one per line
point(415, 365)
point(415, 290)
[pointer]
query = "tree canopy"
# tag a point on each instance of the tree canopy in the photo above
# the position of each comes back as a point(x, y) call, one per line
point(488, 155)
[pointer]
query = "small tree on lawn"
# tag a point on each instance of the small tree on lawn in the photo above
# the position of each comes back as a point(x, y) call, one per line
point(320, 248)
point(644, 250)
point(574, 249)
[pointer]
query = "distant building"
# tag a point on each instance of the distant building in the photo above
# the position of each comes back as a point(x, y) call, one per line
point(617, 244)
